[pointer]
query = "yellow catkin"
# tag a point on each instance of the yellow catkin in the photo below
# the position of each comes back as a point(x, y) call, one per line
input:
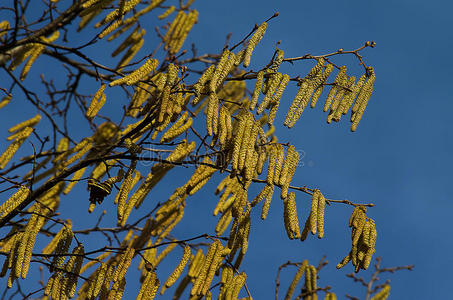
point(199, 86)
point(362, 99)
point(330, 97)
point(149, 287)
point(296, 279)
point(217, 259)
point(383, 294)
point(330, 296)
point(300, 95)
point(271, 87)
point(181, 36)
point(179, 268)
point(279, 162)
point(198, 284)
point(131, 203)
point(267, 201)
point(212, 114)
point(37, 51)
point(72, 278)
point(238, 283)
point(14, 201)
point(77, 176)
point(277, 61)
point(123, 265)
point(166, 13)
point(28, 123)
point(174, 26)
point(5, 100)
point(371, 244)
point(254, 40)
point(124, 8)
point(96, 103)
point(350, 97)
point(125, 188)
point(344, 262)
point(164, 254)
point(323, 78)
point(257, 89)
point(33, 232)
point(276, 98)
point(138, 74)
point(217, 73)
point(320, 215)
point(293, 157)
point(292, 215)
point(249, 137)
point(241, 127)
point(314, 211)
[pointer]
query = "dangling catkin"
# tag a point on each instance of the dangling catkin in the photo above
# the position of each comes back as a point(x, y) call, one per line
point(14, 201)
point(254, 40)
point(322, 79)
point(333, 90)
point(28, 123)
point(320, 214)
point(314, 211)
point(257, 89)
point(296, 279)
point(138, 74)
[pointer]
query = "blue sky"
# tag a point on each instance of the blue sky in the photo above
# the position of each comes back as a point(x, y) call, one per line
point(399, 158)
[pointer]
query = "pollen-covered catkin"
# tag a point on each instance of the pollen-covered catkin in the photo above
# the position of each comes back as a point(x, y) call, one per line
point(267, 201)
point(124, 191)
point(296, 279)
point(28, 123)
point(138, 74)
point(320, 214)
point(166, 13)
point(254, 40)
point(290, 217)
point(276, 98)
point(341, 74)
point(257, 89)
point(314, 211)
point(279, 162)
point(362, 100)
point(14, 201)
point(177, 272)
point(149, 287)
point(199, 282)
point(322, 80)
point(271, 87)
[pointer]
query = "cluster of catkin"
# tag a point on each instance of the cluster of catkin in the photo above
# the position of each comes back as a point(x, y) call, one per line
point(310, 88)
point(344, 94)
point(272, 88)
point(108, 280)
point(14, 201)
point(310, 285)
point(31, 51)
point(363, 237)
point(231, 284)
point(124, 207)
point(158, 171)
point(315, 221)
point(19, 133)
point(179, 29)
point(62, 283)
point(21, 246)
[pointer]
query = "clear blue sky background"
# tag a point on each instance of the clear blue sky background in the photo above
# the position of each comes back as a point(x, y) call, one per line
point(399, 158)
